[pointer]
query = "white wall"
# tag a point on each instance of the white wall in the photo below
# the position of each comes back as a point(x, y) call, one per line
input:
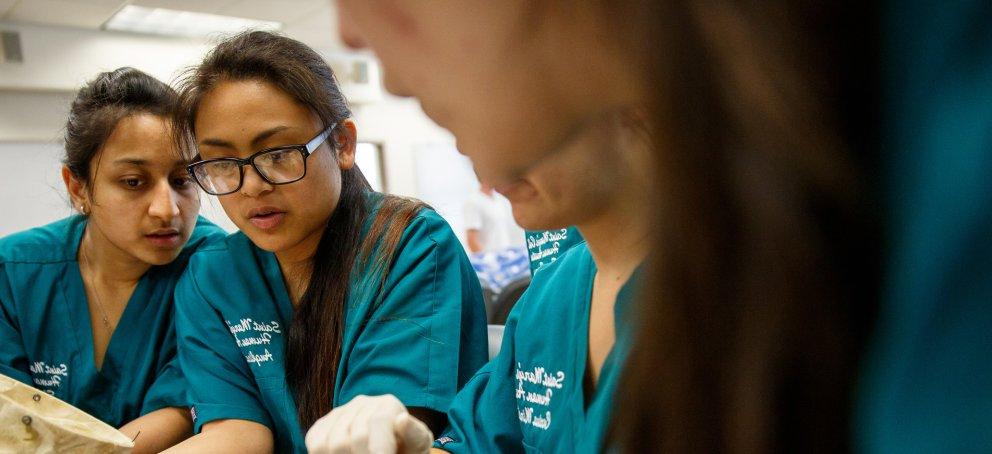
point(399, 125)
point(421, 158)
point(58, 58)
point(32, 192)
point(33, 116)
point(62, 59)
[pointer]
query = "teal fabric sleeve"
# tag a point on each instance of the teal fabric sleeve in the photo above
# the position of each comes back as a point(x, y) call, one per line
point(170, 387)
point(425, 334)
point(13, 358)
point(220, 384)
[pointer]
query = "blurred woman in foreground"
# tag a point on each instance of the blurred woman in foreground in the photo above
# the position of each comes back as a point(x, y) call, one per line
point(762, 276)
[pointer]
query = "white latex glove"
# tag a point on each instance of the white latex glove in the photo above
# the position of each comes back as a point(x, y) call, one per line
point(373, 425)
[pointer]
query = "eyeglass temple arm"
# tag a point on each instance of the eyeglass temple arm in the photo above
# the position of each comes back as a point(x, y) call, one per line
point(316, 141)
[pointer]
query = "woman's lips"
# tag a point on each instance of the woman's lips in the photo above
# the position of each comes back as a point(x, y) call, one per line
point(518, 191)
point(169, 240)
point(267, 220)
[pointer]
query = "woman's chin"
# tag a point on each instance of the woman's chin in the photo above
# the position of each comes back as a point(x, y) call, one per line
point(159, 257)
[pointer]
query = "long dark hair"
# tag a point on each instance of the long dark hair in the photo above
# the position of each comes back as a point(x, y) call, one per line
point(314, 340)
point(101, 104)
point(763, 279)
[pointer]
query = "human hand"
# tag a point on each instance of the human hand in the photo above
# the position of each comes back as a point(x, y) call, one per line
point(369, 424)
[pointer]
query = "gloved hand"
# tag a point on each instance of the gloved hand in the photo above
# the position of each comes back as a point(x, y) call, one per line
point(367, 424)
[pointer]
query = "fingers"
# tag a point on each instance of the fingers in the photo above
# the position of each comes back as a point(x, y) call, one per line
point(357, 435)
point(317, 435)
point(369, 425)
point(327, 433)
point(339, 436)
point(381, 434)
point(415, 436)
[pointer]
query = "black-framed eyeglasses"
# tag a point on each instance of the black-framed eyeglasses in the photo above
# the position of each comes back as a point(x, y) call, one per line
point(280, 165)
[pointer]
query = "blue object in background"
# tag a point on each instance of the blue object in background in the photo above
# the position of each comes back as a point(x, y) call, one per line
point(497, 269)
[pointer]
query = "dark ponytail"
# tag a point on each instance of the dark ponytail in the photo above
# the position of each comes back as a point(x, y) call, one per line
point(314, 341)
point(101, 104)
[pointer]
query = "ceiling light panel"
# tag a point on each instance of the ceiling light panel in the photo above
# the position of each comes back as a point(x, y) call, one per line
point(161, 21)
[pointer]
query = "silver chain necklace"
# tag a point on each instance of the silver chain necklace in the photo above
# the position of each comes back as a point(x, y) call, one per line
point(96, 296)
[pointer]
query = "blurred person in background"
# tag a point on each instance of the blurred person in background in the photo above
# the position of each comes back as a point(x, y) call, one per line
point(489, 225)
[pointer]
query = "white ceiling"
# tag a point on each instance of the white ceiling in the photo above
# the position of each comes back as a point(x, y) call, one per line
point(312, 21)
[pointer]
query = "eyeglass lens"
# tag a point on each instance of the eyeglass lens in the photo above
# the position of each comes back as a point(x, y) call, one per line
point(276, 166)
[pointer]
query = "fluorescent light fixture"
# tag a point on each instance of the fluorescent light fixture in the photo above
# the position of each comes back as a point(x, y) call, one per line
point(161, 21)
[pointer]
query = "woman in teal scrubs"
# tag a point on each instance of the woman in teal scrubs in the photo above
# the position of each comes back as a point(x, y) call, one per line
point(551, 387)
point(86, 308)
point(330, 290)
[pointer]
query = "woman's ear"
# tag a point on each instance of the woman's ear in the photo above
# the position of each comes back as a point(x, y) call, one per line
point(78, 192)
point(347, 139)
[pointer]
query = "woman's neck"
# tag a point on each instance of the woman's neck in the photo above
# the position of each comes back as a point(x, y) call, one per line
point(296, 264)
point(619, 239)
point(106, 263)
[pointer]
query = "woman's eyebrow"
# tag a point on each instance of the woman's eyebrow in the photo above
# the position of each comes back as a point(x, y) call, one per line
point(131, 161)
point(259, 138)
point(217, 143)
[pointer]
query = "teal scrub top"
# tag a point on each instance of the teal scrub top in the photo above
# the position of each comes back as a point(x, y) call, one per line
point(927, 385)
point(531, 397)
point(45, 333)
point(420, 338)
point(545, 246)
